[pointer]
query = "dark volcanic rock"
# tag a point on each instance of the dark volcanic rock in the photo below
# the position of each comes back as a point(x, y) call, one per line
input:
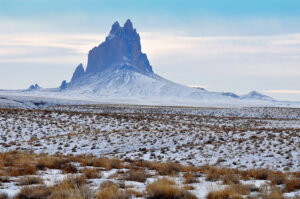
point(34, 87)
point(63, 85)
point(79, 72)
point(122, 48)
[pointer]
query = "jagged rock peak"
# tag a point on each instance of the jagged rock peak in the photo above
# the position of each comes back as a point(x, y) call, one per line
point(79, 72)
point(122, 48)
point(127, 29)
point(34, 87)
point(63, 85)
point(128, 25)
point(114, 29)
point(116, 26)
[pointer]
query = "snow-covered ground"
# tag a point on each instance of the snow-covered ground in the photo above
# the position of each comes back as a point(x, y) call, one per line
point(51, 177)
point(244, 138)
point(90, 173)
point(251, 139)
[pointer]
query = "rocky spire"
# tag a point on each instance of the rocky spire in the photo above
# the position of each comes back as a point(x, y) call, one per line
point(121, 48)
point(128, 26)
point(79, 72)
point(63, 85)
point(34, 87)
point(114, 29)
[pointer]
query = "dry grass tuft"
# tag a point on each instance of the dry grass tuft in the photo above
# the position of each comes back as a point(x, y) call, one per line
point(262, 174)
point(277, 178)
point(213, 174)
point(107, 163)
point(109, 190)
point(134, 193)
point(235, 191)
point(90, 173)
point(69, 168)
point(275, 193)
point(170, 168)
point(138, 175)
point(292, 184)
point(21, 170)
point(188, 187)
point(190, 178)
point(167, 189)
point(224, 194)
point(72, 187)
point(36, 192)
point(30, 180)
point(230, 176)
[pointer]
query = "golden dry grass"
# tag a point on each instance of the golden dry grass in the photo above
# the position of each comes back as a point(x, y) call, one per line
point(232, 192)
point(30, 180)
point(136, 171)
point(91, 173)
point(167, 189)
point(110, 190)
point(36, 192)
point(190, 178)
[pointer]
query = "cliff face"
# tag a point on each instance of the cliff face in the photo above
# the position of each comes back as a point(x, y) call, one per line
point(122, 48)
point(79, 72)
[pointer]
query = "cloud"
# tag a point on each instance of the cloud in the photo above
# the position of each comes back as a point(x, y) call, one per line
point(43, 48)
point(159, 43)
point(155, 44)
point(283, 91)
point(78, 42)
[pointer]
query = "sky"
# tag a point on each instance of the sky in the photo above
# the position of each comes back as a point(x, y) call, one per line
point(221, 45)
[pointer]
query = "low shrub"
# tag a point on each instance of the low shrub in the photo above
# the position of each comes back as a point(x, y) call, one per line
point(230, 177)
point(262, 174)
point(277, 178)
point(21, 171)
point(109, 190)
point(138, 175)
point(169, 168)
point(69, 168)
point(224, 194)
point(36, 192)
point(292, 184)
point(90, 173)
point(166, 189)
point(235, 191)
point(190, 178)
point(213, 175)
point(107, 163)
point(72, 188)
point(82, 192)
point(275, 193)
point(29, 180)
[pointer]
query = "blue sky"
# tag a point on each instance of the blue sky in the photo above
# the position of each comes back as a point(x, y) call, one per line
point(229, 45)
point(178, 8)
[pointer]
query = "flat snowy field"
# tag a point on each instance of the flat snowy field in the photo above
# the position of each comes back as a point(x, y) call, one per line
point(245, 138)
point(235, 138)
